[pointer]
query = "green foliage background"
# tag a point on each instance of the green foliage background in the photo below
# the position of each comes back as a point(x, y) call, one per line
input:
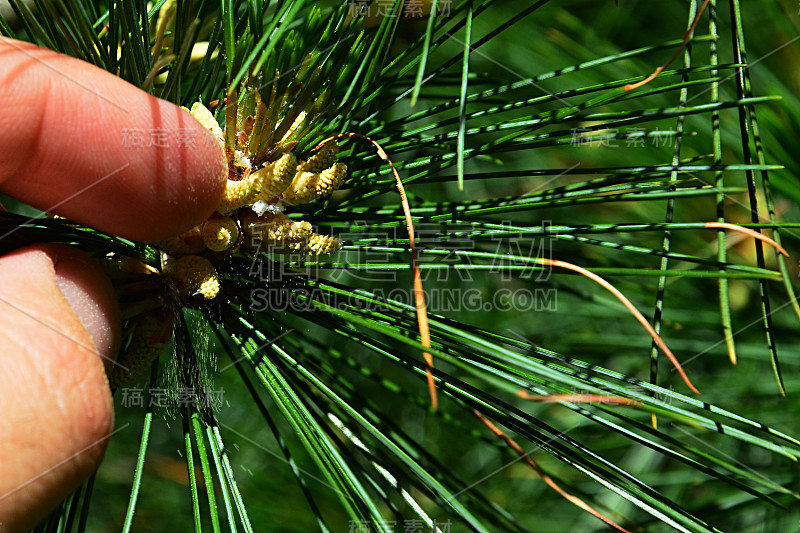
point(703, 470)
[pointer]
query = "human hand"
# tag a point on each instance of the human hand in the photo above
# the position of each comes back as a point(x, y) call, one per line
point(62, 133)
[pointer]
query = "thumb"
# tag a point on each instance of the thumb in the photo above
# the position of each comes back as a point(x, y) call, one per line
point(58, 312)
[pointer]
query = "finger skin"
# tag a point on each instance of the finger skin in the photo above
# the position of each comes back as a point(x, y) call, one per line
point(107, 154)
point(56, 403)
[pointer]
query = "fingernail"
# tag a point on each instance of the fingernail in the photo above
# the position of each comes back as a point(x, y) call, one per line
point(90, 294)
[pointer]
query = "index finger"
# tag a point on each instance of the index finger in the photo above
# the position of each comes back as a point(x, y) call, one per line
point(89, 146)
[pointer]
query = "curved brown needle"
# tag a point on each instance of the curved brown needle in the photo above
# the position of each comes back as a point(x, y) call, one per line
point(419, 294)
point(579, 398)
point(660, 69)
point(750, 232)
point(635, 312)
point(547, 479)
